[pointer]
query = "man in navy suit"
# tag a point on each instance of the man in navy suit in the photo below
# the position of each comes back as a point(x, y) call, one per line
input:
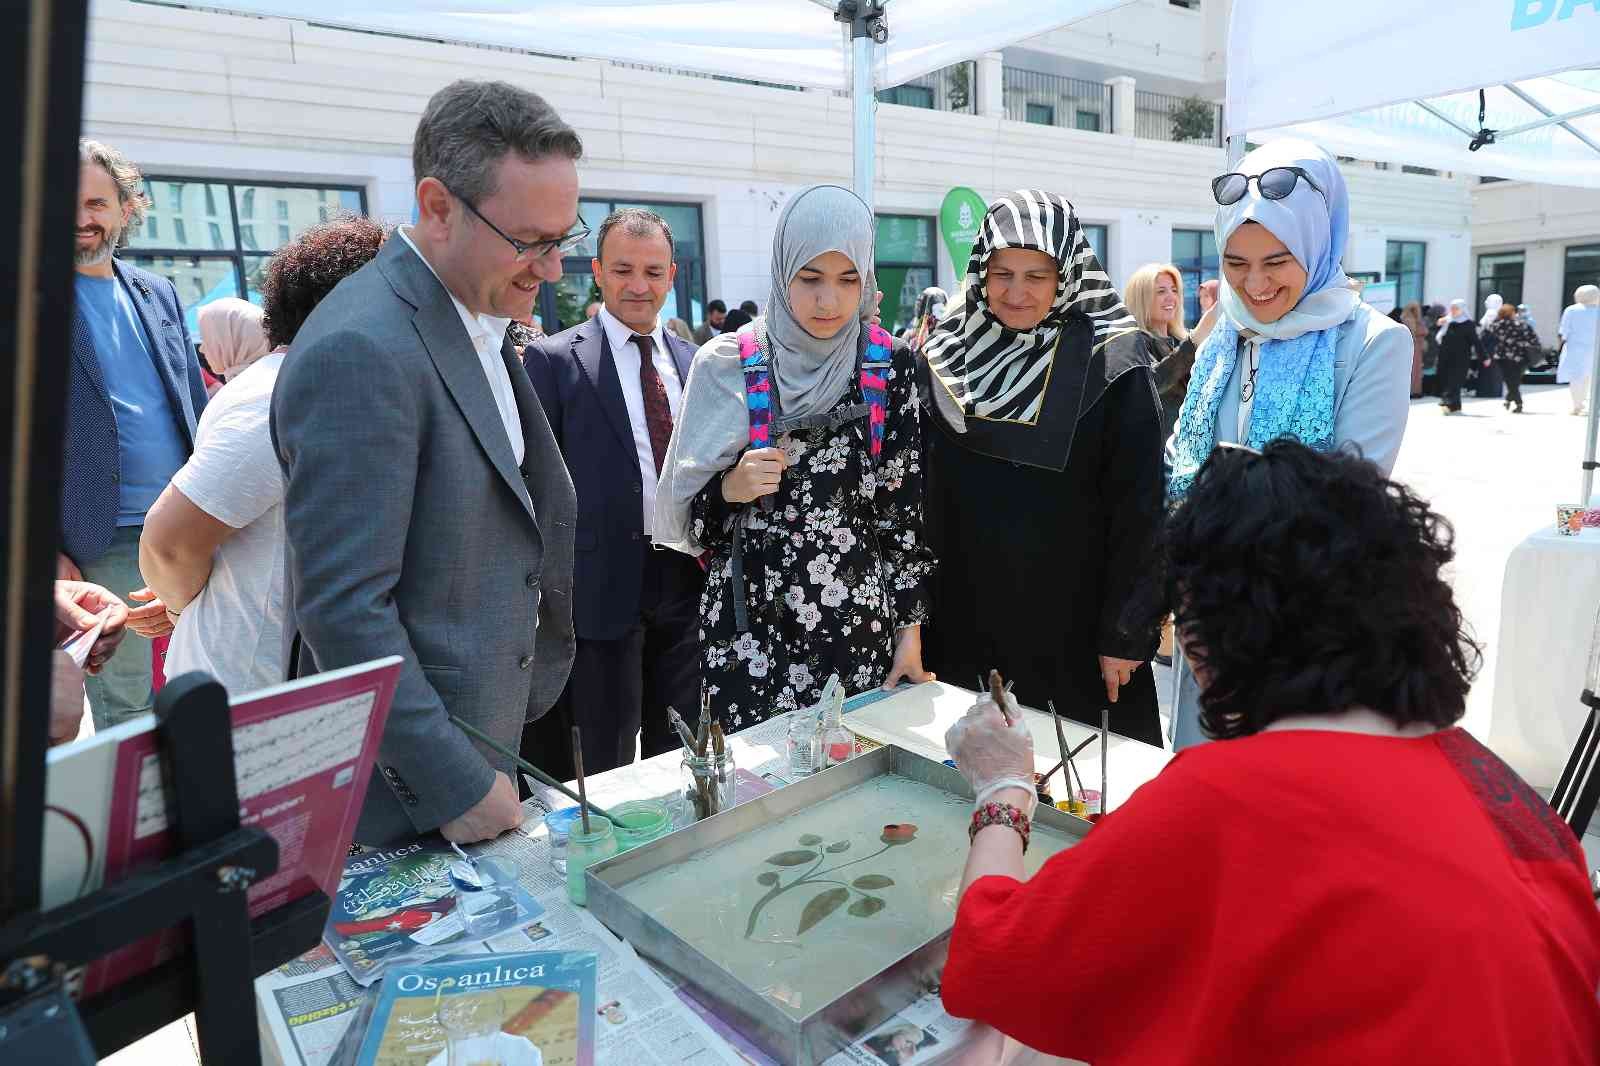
point(134, 394)
point(611, 389)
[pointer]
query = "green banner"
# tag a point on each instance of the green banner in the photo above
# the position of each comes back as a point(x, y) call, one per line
point(960, 218)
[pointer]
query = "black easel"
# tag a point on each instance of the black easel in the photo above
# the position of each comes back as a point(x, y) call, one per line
point(1577, 794)
point(203, 886)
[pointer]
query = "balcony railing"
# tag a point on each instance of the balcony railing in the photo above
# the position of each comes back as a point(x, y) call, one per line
point(953, 88)
point(1182, 119)
point(1053, 100)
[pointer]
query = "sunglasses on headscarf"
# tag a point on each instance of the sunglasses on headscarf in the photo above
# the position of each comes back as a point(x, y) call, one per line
point(1275, 183)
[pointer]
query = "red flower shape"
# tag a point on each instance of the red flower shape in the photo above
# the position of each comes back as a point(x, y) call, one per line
point(898, 833)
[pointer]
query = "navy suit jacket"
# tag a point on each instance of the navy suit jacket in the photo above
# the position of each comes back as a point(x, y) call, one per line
point(92, 472)
point(577, 382)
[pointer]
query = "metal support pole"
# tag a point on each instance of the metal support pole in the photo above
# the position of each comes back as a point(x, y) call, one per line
point(1234, 146)
point(867, 30)
point(1593, 422)
point(865, 103)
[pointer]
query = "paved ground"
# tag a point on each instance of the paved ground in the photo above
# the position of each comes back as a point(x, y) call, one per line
point(1495, 475)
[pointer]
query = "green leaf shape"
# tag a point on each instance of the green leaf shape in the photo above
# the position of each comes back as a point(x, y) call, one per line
point(866, 881)
point(821, 905)
point(867, 906)
point(792, 858)
point(811, 840)
point(768, 878)
point(838, 846)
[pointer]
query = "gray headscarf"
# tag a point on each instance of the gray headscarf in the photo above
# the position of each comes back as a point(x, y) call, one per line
point(810, 375)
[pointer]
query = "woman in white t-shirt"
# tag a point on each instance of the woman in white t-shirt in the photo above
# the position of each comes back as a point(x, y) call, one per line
point(213, 543)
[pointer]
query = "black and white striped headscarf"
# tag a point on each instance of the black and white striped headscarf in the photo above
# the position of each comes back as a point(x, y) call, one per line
point(990, 372)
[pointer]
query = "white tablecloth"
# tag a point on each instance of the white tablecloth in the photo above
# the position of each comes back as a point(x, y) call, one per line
point(1547, 621)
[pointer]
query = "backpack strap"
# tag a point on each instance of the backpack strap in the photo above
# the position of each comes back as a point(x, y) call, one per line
point(757, 388)
point(875, 362)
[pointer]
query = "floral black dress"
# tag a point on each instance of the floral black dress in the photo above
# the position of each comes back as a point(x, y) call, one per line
point(830, 572)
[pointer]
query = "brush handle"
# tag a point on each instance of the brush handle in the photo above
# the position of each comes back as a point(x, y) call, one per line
point(997, 691)
point(526, 766)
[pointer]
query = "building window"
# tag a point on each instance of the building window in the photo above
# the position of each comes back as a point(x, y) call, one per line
point(1582, 267)
point(283, 210)
point(907, 264)
point(561, 306)
point(151, 227)
point(1088, 120)
point(247, 206)
point(1096, 236)
point(1187, 5)
point(1194, 253)
point(222, 263)
point(1501, 273)
point(908, 96)
point(1041, 115)
point(1406, 264)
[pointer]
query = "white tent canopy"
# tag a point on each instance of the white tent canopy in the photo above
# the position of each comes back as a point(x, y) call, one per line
point(792, 42)
point(1399, 80)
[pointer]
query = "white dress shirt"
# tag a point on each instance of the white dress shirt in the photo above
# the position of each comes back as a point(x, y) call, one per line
point(487, 333)
point(626, 354)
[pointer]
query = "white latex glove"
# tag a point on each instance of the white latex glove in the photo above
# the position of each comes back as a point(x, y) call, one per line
point(992, 755)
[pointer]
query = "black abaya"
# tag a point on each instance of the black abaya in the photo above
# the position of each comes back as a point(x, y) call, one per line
point(1037, 565)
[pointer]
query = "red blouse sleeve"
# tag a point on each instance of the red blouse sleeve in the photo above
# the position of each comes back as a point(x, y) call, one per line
point(1119, 918)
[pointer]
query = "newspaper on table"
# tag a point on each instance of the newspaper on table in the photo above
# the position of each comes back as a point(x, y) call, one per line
point(309, 1005)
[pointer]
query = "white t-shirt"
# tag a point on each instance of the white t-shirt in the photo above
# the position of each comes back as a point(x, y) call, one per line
point(233, 630)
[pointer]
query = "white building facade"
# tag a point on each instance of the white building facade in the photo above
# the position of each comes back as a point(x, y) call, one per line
point(1535, 244)
point(250, 129)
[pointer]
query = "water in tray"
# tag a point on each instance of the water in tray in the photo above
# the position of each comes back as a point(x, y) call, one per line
point(805, 908)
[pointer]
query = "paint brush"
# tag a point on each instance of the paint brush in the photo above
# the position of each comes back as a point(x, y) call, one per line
point(1105, 746)
point(583, 793)
point(997, 691)
point(684, 733)
point(528, 767)
point(1061, 741)
point(719, 743)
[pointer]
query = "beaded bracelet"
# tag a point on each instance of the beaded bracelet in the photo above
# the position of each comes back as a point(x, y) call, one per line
point(1001, 814)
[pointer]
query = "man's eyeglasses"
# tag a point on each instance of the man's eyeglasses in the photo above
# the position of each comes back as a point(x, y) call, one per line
point(1275, 183)
point(534, 249)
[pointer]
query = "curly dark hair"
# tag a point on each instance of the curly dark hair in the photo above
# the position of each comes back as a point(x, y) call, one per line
point(306, 269)
point(1308, 583)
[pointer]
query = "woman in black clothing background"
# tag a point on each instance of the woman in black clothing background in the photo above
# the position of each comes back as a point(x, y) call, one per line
point(1459, 347)
point(1516, 348)
point(1044, 476)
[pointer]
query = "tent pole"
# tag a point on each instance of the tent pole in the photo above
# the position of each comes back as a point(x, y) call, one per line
point(1235, 149)
point(1592, 424)
point(866, 30)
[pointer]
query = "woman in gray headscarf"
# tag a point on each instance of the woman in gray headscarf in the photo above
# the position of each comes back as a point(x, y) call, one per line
point(816, 563)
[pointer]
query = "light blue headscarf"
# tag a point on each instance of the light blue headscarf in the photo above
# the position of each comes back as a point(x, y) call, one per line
point(1294, 386)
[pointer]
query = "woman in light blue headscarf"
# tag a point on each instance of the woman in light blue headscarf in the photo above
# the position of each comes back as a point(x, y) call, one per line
point(1295, 352)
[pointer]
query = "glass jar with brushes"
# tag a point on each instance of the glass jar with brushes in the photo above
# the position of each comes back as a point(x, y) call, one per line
point(707, 768)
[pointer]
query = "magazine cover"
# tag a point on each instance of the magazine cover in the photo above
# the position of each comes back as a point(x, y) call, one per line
point(302, 754)
point(527, 1009)
point(398, 907)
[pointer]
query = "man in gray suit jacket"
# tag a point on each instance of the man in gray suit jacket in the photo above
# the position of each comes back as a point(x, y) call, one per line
point(428, 509)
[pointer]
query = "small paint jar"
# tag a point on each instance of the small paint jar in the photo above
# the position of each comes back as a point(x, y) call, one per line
point(559, 823)
point(639, 822)
point(708, 784)
point(585, 850)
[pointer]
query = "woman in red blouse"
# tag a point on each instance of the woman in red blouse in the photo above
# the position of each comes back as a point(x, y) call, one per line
point(1350, 879)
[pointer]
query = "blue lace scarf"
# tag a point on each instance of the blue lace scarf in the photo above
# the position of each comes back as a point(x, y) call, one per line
point(1294, 398)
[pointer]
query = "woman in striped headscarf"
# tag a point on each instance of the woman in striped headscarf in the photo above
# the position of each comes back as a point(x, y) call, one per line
point(1043, 471)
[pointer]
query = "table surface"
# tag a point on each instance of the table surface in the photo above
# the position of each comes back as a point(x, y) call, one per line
point(918, 712)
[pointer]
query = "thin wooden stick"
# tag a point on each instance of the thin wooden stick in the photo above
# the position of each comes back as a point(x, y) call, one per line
point(583, 794)
point(523, 764)
point(997, 690)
